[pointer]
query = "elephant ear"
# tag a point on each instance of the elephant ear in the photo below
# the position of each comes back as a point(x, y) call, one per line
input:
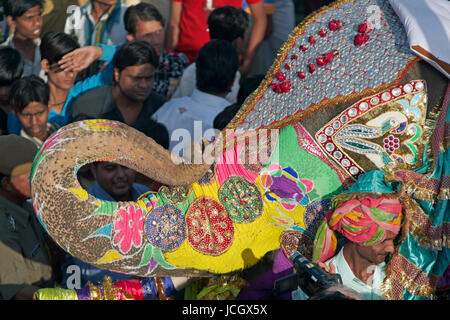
point(324, 63)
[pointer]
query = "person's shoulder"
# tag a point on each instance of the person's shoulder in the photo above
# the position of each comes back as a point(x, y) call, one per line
point(90, 104)
point(155, 100)
point(92, 95)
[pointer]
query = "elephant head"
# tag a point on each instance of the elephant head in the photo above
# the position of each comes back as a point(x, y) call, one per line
point(336, 103)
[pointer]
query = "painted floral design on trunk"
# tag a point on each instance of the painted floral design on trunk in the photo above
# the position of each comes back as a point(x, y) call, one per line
point(128, 228)
point(284, 186)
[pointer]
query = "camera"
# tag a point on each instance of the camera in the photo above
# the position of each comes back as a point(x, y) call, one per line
point(308, 276)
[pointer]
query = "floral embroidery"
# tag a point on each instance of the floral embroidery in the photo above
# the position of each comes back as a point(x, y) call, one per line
point(176, 194)
point(315, 213)
point(128, 228)
point(293, 240)
point(210, 229)
point(385, 128)
point(242, 199)
point(284, 186)
point(165, 227)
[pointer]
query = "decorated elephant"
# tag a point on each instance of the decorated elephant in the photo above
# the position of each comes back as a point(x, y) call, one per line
point(346, 95)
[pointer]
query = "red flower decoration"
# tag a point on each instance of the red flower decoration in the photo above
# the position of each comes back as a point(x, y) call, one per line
point(334, 25)
point(322, 32)
point(280, 76)
point(364, 27)
point(276, 87)
point(287, 67)
point(294, 57)
point(311, 68)
point(361, 38)
point(301, 75)
point(328, 57)
point(320, 62)
point(281, 87)
point(285, 86)
point(303, 48)
point(311, 40)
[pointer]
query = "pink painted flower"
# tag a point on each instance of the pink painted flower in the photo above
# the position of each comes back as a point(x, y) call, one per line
point(128, 228)
point(311, 40)
point(303, 48)
point(294, 57)
point(287, 67)
point(322, 32)
point(311, 68)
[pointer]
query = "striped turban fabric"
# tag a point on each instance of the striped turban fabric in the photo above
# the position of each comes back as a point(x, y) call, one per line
point(361, 221)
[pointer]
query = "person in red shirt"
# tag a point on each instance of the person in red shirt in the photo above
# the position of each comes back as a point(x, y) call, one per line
point(187, 30)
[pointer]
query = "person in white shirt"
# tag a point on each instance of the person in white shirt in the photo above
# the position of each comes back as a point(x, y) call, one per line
point(188, 118)
point(226, 23)
point(368, 218)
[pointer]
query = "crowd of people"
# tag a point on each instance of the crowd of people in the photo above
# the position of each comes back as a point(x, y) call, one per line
point(157, 66)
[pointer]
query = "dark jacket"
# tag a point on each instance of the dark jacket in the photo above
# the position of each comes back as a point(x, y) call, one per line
point(99, 104)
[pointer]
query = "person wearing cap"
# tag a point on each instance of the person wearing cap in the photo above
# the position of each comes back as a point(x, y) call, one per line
point(367, 218)
point(25, 264)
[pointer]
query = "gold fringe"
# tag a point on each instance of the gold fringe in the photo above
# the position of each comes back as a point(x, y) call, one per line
point(96, 293)
point(108, 289)
point(444, 194)
point(412, 209)
point(424, 194)
point(401, 278)
point(418, 290)
point(284, 50)
point(160, 289)
point(428, 133)
point(404, 280)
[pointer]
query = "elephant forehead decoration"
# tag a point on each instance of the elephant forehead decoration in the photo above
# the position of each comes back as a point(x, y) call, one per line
point(348, 61)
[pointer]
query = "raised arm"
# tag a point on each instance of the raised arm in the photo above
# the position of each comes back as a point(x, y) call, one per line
point(173, 27)
point(256, 36)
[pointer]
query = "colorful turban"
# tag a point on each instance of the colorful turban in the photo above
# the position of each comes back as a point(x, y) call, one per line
point(362, 221)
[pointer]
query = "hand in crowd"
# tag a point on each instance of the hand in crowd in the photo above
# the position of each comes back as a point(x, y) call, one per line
point(80, 59)
point(331, 269)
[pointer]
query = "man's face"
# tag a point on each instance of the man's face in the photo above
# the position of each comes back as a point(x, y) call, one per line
point(34, 119)
point(378, 252)
point(136, 82)
point(113, 178)
point(21, 186)
point(151, 32)
point(28, 25)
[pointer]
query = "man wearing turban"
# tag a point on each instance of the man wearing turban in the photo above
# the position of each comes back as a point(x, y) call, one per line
point(367, 218)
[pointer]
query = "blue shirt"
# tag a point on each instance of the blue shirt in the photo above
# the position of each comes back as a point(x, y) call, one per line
point(98, 80)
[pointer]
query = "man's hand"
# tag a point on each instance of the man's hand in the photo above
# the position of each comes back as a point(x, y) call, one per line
point(80, 59)
point(330, 270)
